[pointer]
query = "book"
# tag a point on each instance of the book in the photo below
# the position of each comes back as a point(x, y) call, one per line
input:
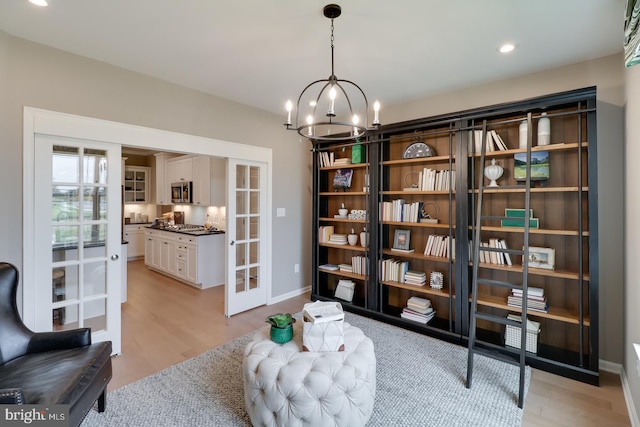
point(498, 141)
point(507, 257)
point(330, 267)
point(402, 250)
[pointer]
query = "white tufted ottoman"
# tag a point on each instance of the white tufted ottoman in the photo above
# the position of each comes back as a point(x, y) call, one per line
point(284, 386)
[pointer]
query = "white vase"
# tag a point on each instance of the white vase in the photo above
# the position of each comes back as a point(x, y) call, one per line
point(523, 130)
point(352, 239)
point(544, 130)
point(493, 172)
point(364, 239)
point(343, 212)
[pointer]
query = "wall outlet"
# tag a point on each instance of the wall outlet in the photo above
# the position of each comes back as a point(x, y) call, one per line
point(296, 268)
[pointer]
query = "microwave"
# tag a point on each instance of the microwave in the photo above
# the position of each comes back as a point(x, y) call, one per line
point(182, 192)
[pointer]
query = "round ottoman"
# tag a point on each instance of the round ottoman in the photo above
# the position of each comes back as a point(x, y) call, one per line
point(284, 386)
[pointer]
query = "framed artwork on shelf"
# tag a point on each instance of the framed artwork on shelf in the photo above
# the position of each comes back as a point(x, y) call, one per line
point(539, 166)
point(401, 239)
point(542, 257)
point(342, 179)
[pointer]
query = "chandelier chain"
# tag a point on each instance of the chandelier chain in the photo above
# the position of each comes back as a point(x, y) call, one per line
point(332, 70)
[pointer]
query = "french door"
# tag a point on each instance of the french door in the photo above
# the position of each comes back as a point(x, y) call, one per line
point(77, 205)
point(248, 273)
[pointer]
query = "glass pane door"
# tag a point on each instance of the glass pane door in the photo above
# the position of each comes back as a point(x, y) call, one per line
point(246, 235)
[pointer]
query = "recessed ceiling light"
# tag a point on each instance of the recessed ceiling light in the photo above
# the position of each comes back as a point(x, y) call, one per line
point(42, 3)
point(506, 48)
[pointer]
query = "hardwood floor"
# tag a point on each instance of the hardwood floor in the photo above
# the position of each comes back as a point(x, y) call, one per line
point(165, 322)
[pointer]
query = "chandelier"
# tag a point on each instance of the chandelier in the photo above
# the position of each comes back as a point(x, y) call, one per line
point(332, 109)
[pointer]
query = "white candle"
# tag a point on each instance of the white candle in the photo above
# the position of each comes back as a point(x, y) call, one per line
point(376, 113)
point(289, 107)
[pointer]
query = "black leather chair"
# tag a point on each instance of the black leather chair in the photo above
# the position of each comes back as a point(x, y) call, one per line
point(62, 368)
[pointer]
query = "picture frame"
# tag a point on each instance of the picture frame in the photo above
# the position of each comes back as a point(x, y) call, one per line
point(542, 257)
point(342, 179)
point(631, 43)
point(402, 239)
point(539, 166)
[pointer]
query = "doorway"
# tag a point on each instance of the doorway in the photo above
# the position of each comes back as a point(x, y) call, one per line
point(37, 121)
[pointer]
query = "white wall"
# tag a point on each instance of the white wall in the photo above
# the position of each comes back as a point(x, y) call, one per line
point(38, 76)
point(632, 226)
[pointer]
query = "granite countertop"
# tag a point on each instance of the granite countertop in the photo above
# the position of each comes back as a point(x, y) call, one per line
point(188, 232)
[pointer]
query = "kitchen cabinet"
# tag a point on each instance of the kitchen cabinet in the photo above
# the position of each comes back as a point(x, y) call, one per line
point(209, 178)
point(136, 184)
point(195, 260)
point(152, 244)
point(162, 184)
point(180, 169)
point(134, 234)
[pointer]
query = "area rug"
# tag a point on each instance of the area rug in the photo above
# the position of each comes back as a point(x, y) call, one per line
point(420, 382)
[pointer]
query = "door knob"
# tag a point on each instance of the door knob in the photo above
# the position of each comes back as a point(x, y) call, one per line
point(114, 257)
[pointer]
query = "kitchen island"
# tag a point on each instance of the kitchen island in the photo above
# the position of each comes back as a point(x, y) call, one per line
point(193, 257)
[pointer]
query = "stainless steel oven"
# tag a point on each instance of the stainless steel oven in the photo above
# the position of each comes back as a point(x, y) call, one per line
point(182, 192)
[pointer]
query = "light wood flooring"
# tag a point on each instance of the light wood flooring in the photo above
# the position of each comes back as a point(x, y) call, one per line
point(165, 322)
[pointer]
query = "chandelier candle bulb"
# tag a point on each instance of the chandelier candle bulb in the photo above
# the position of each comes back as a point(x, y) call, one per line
point(289, 107)
point(376, 113)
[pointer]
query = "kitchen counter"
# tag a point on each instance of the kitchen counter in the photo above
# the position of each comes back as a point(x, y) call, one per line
point(196, 232)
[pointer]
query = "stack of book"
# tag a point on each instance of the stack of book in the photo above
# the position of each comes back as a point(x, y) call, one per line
point(413, 277)
point(438, 246)
point(338, 239)
point(418, 309)
point(341, 162)
point(536, 300)
point(493, 141)
point(347, 268)
point(393, 270)
point(400, 210)
point(324, 233)
point(492, 257)
point(360, 264)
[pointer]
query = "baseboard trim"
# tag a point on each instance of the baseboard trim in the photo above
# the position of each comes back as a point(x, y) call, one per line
point(628, 398)
point(283, 297)
point(614, 368)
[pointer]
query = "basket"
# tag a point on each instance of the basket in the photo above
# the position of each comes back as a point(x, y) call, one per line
point(512, 334)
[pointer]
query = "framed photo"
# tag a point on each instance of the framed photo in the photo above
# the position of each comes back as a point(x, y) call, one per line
point(342, 178)
point(542, 257)
point(631, 33)
point(539, 166)
point(401, 239)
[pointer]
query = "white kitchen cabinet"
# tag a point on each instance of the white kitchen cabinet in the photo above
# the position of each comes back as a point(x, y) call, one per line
point(196, 260)
point(152, 249)
point(162, 184)
point(209, 181)
point(180, 169)
point(134, 234)
point(136, 184)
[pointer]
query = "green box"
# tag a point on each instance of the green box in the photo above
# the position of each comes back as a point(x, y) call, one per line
point(515, 222)
point(357, 154)
point(517, 213)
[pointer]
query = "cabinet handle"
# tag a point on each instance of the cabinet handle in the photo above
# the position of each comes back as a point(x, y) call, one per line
point(232, 242)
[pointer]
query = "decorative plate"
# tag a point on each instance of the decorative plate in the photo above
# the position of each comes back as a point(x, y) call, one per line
point(418, 149)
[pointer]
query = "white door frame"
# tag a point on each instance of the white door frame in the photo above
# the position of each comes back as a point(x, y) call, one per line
point(41, 121)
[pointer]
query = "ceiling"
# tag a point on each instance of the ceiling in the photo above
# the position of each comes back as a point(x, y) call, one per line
point(263, 52)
